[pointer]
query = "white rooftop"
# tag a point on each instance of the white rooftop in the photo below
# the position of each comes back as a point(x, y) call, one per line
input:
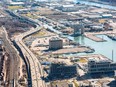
point(106, 14)
point(68, 6)
point(16, 3)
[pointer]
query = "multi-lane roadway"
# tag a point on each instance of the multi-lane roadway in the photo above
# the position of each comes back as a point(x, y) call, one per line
point(35, 66)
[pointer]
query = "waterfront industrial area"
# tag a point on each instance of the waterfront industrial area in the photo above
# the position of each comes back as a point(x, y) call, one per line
point(57, 43)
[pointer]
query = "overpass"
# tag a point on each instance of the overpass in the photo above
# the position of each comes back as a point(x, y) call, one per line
point(34, 64)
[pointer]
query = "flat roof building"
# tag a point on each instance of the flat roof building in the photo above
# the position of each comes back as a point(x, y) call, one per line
point(55, 43)
point(107, 16)
point(61, 71)
point(71, 7)
point(101, 67)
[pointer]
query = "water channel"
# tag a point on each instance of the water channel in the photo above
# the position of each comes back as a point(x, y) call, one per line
point(107, 48)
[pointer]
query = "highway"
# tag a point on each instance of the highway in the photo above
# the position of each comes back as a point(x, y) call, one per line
point(32, 62)
point(13, 61)
point(35, 66)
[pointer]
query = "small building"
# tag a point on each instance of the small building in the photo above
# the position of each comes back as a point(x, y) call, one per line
point(16, 3)
point(55, 43)
point(87, 23)
point(107, 16)
point(94, 16)
point(62, 71)
point(68, 8)
point(96, 28)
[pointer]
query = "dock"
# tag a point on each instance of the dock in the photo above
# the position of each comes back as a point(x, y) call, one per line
point(95, 38)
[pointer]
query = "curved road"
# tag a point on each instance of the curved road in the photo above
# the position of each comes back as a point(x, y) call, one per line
point(35, 66)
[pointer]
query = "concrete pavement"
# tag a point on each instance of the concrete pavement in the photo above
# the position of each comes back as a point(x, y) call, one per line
point(35, 66)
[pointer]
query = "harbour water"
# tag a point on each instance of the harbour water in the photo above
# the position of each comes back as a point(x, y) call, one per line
point(95, 4)
point(107, 48)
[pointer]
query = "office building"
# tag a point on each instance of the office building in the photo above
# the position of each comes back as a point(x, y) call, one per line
point(101, 67)
point(61, 71)
point(55, 43)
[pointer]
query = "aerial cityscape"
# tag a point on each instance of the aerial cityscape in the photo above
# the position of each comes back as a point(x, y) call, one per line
point(57, 43)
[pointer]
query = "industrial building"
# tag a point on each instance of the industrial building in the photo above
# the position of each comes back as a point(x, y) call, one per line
point(15, 2)
point(68, 8)
point(96, 28)
point(78, 28)
point(61, 71)
point(55, 43)
point(101, 67)
point(107, 16)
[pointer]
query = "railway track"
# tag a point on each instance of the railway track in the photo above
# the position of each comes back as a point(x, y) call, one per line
point(12, 62)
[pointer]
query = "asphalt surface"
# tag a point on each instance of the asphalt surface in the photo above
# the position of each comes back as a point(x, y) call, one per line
point(35, 66)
